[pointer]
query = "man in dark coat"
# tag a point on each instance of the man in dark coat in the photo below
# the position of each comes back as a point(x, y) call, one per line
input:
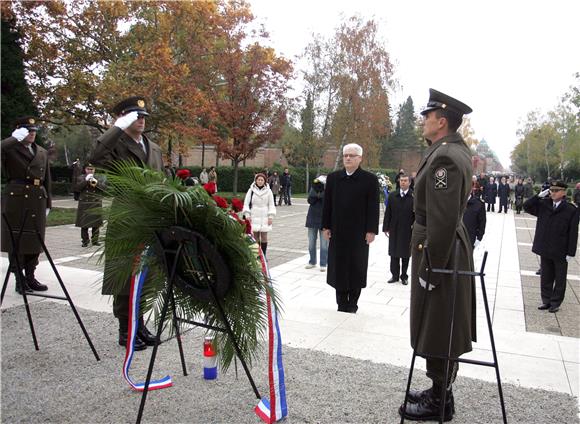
point(89, 210)
point(285, 188)
point(555, 241)
point(350, 221)
point(125, 141)
point(397, 226)
point(442, 187)
point(519, 194)
point(474, 217)
point(528, 188)
point(490, 193)
point(314, 223)
point(26, 169)
point(503, 192)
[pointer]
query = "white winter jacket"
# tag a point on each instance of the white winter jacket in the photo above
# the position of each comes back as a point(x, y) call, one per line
point(262, 208)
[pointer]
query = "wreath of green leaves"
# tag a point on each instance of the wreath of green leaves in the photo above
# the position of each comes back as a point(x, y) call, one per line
point(145, 201)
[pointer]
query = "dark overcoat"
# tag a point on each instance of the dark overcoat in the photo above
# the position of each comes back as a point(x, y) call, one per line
point(556, 229)
point(475, 219)
point(503, 192)
point(351, 209)
point(89, 210)
point(398, 221)
point(316, 202)
point(442, 187)
point(490, 192)
point(116, 145)
point(28, 187)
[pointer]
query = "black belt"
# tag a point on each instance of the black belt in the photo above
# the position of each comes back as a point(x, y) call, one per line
point(35, 182)
point(421, 220)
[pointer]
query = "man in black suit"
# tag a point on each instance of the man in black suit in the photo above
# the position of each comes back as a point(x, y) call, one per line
point(555, 241)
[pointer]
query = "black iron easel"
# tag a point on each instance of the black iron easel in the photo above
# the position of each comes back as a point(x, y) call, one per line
point(170, 244)
point(455, 274)
point(15, 242)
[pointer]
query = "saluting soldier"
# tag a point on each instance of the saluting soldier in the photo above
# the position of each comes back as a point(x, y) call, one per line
point(89, 211)
point(26, 167)
point(442, 187)
point(126, 141)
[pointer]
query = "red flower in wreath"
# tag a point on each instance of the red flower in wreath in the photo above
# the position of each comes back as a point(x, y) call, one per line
point(237, 204)
point(210, 188)
point(220, 201)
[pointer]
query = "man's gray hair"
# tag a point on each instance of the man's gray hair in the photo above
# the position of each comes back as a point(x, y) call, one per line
point(356, 147)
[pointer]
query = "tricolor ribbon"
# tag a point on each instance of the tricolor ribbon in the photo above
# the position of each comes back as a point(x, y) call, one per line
point(276, 408)
point(137, 280)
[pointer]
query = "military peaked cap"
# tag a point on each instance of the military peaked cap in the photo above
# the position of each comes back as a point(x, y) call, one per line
point(559, 184)
point(28, 122)
point(439, 100)
point(131, 104)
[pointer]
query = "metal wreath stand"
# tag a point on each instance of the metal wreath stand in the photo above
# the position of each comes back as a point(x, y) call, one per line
point(170, 245)
point(15, 242)
point(455, 273)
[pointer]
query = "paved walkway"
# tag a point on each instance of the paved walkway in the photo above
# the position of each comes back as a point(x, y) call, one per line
point(379, 331)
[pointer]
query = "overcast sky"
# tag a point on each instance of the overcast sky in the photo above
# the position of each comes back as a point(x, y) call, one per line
point(502, 58)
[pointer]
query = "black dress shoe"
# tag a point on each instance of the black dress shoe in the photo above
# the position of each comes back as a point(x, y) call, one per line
point(96, 243)
point(26, 288)
point(145, 335)
point(427, 409)
point(415, 396)
point(544, 306)
point(352, 309)
point(342, 308)
point(85, 244)
point(404, 281)
point(554, 309)
point(36, 285)
point(139, 344)
point(539, 272)
point(393, 280)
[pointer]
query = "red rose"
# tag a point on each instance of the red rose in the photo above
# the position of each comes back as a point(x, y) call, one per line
point(237, 204)
point(248, 226)
point(210, 188)
point(220, 201)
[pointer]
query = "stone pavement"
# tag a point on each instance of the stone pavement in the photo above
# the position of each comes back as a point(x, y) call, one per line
point(379, 331)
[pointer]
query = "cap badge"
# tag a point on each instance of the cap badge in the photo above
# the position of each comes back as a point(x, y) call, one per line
point(140, 103)
point(31, 121)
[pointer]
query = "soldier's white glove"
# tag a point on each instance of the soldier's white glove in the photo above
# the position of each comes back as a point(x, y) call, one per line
point(20, 133)
point(544, 193)
point(125, 121)
point(424, 284)
point(47, 211)
point(568, 258)
point(476, 243)
point(88, 177)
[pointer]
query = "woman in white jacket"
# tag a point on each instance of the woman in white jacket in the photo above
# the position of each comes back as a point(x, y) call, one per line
point(259, 207)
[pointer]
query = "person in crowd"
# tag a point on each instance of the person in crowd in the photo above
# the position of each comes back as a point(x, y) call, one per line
point(528, 188)
point(397, 177)
point(555, 241)
point(350, 221)
point(89, 210)
point(126, 141)
point(519, 194)
point(260, 209)
point(503, 192)
point(546, 185)
point(475, 184)
point(274, 183)
point(512, 185)
point(203, 177)
point(490, 194)
point(314, 223)
point(576, 195)
point(482, 180)
point(413, 175)
point(28, 188)
point(213, 177)
point(442, 187)
point(285, 188)
point(397, 226)
point(474, 217)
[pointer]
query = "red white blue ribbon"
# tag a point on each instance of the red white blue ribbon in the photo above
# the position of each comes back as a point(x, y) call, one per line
point(276, 408)
point(137, 281)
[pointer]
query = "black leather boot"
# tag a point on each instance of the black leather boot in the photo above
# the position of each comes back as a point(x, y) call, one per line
point(35, 285)
point(26, 288)
point(145, 335)
point(427, 407)
point(124, 334)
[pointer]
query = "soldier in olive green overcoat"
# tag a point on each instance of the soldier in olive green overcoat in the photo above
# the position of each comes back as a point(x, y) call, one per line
point(125, 141)
point(442, 187)
point(89, 211)
point(26, 168)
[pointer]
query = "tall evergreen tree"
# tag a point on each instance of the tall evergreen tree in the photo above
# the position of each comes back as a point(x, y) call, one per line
point(16, 96)
point(405, 134)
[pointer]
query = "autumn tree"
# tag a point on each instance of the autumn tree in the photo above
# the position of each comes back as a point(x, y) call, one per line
point(349, 75)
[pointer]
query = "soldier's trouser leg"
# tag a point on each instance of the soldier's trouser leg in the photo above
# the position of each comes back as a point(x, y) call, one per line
point(547, 276)
point(561, 269)
point(29, 263)
point(95, 235)
point(121, 309)
point(436, 372)
point(395, 268)
point(85, 234)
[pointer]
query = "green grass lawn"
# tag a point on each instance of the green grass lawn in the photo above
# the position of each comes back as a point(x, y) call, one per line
point(61, 216)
